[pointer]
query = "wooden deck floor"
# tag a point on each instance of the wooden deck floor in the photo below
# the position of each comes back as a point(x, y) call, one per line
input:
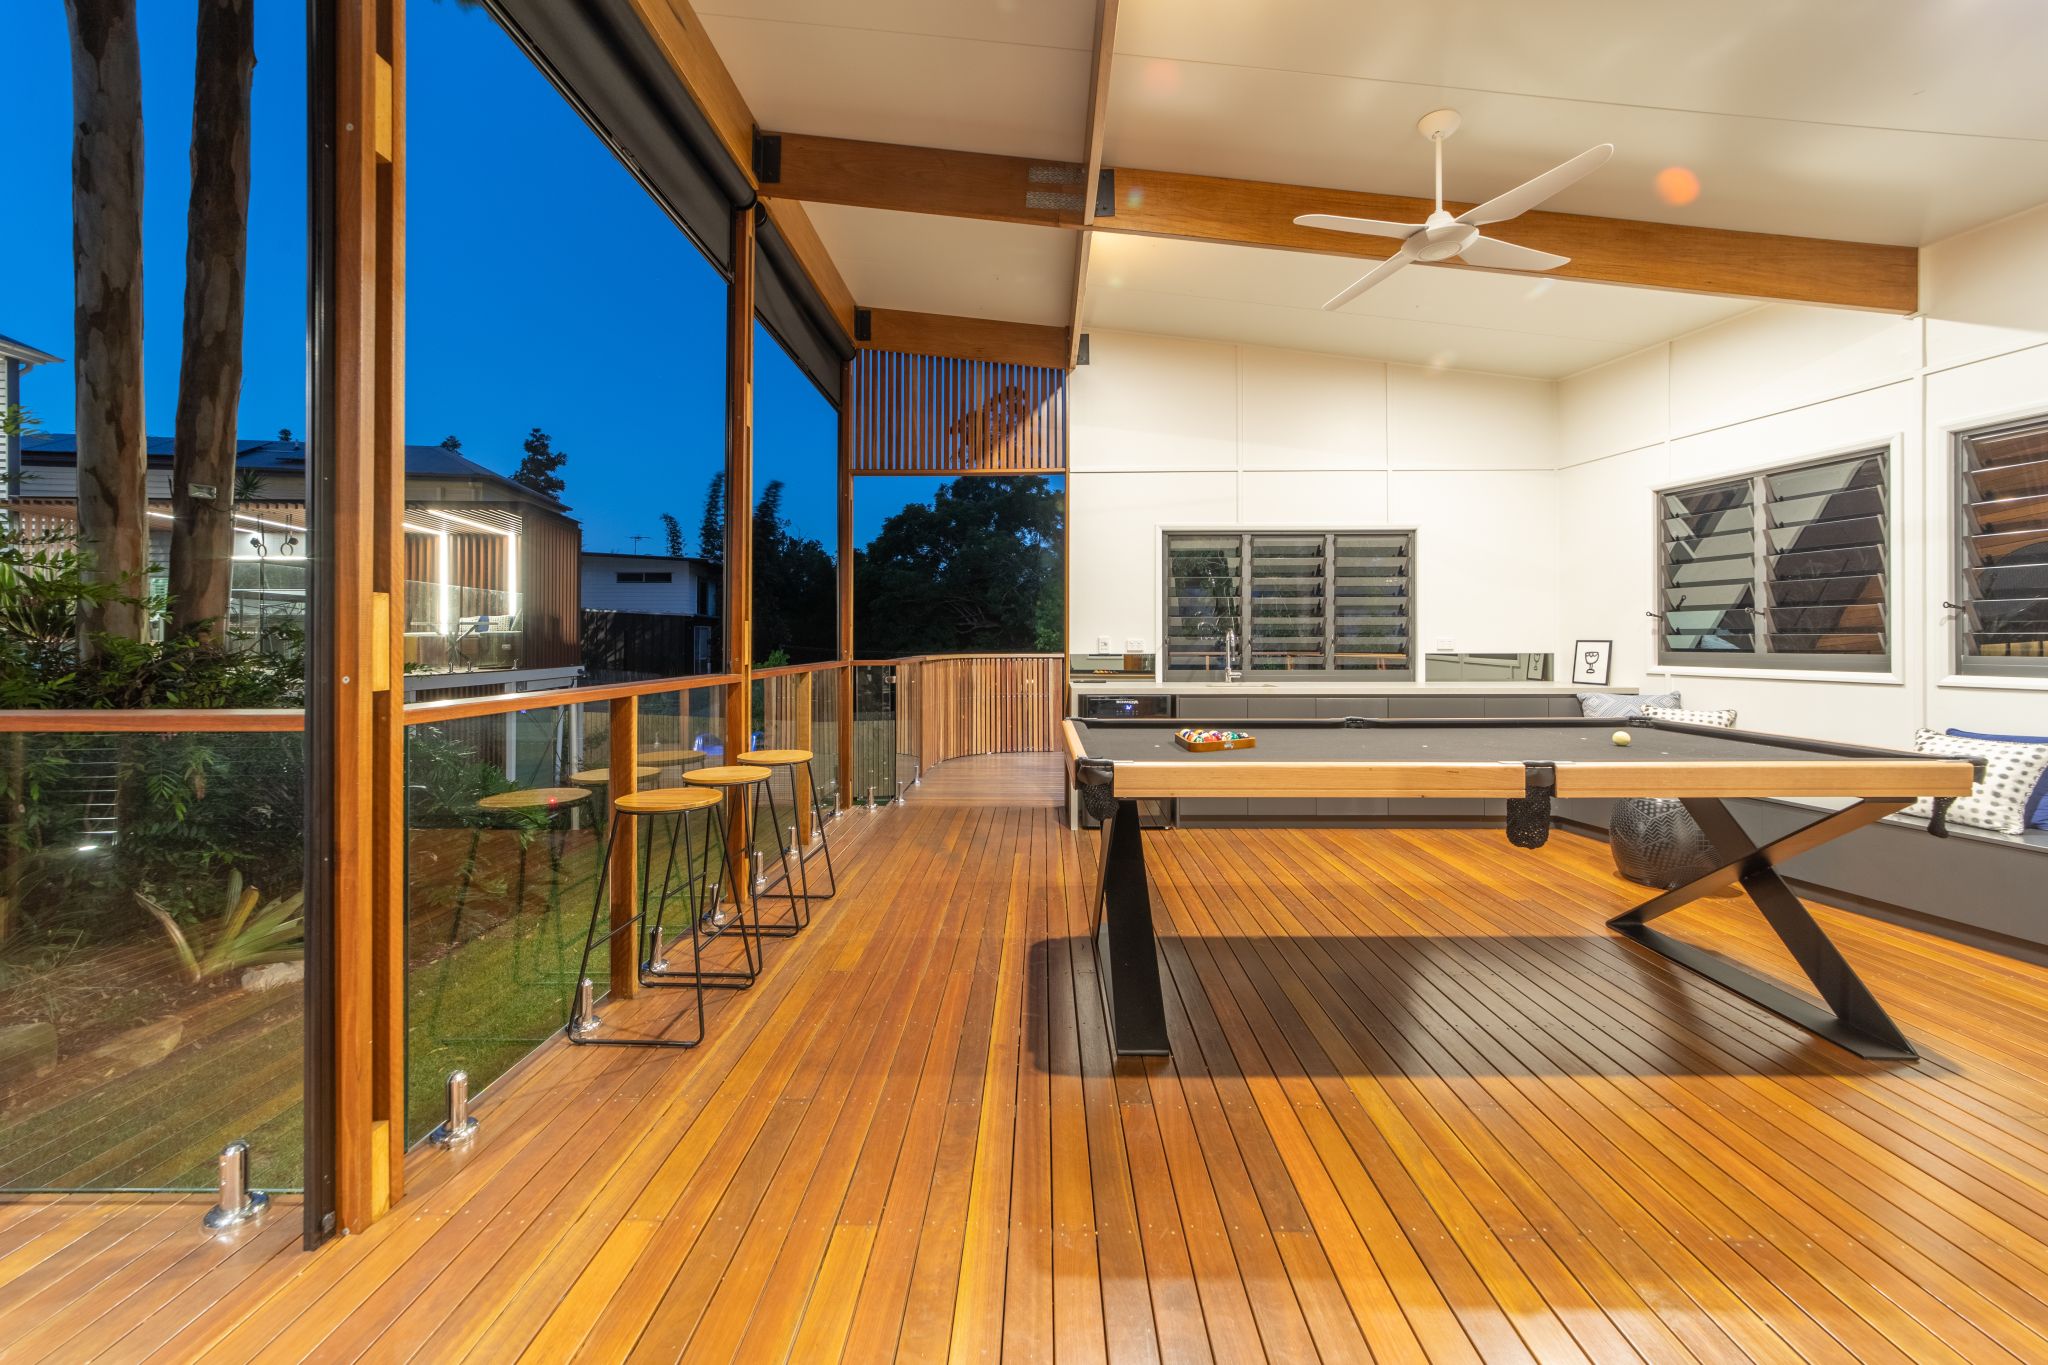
point(1422, 1107)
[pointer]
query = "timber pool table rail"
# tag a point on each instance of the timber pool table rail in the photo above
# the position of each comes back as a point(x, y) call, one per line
point(1115, 763)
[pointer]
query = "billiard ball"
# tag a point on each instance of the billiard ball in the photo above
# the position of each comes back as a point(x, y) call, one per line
point(1622, 738)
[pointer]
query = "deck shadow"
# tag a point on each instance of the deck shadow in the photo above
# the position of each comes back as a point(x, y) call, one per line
point(1458, 1006)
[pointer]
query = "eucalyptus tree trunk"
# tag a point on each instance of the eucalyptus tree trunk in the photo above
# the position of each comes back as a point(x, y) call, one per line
point(106, 238)
point(216, 278)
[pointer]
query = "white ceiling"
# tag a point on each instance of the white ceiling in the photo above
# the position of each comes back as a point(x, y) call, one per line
point(1897, 121)
point(922, 263)
point(1005, 76)
point(1452, 319)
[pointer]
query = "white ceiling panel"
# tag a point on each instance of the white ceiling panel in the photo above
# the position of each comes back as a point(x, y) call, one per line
point(1875, 120)
point(974, 76)
point(924, 264)
point(1462, 319)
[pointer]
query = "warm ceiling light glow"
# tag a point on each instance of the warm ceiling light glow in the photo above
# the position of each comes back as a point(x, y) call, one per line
point(1159, 77)
point(1677, 185)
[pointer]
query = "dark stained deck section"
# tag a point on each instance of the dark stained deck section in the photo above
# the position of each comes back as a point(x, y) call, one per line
point(1422, 1106)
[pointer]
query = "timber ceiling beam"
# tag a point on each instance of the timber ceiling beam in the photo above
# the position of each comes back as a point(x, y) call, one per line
point(1015, 343)
point(1091, 173)
point(1647, 255)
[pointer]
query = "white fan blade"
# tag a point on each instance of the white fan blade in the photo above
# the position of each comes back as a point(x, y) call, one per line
point(1493, 254)
point(1364, 227)
point(1370, 278)
point(1524, 197)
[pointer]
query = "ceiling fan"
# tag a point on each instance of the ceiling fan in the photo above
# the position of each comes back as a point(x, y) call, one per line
point(1443, 236)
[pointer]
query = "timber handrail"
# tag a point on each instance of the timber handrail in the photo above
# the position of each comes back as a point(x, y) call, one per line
point(502, 703)
point(792, 670)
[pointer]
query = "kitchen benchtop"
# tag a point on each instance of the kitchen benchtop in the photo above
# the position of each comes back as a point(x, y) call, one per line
point(1146, 687)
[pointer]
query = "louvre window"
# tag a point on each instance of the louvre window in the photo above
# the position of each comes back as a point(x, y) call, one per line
point(2002, 559)
point(1784, 569)
point(1294, 602)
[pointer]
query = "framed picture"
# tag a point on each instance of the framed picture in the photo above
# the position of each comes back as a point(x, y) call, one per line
point(1591, 660)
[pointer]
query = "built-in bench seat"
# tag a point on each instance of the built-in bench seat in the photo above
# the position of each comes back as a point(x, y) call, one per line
point(1977, 885)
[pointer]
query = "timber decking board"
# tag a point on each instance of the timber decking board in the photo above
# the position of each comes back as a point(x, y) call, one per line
point(1422, 1106)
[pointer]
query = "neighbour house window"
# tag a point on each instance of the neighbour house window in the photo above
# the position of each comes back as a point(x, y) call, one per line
point(1318, 602)
point(1788, 568)
point(2002, 549)
point(645, 576)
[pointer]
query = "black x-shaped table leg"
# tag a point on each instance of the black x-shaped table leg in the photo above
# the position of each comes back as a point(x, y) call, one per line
point(1858, 1022)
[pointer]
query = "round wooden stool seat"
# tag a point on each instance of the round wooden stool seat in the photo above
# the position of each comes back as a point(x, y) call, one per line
point(775, 758)
point(667, 801)
point(601, 777)
point(672, 757)
point(535, 798)
point(726, 777)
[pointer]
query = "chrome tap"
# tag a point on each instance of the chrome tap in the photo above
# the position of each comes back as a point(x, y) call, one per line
point(1232, 670)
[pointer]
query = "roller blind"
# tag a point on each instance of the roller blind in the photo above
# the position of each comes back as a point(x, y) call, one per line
point(1298, 602)
point(2002, 557)
point(1787, 568)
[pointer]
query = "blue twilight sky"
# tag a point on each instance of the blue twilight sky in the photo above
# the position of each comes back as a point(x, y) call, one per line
point(544, 288)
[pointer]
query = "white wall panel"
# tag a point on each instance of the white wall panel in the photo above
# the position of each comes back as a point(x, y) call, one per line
point(1785, 356)
point(1307, 411)
point(1486, 557)
point(1331, 499)
point(1607, 556)
point(1451, 419)
point(1162, 403)
point(1113, 546)
point(1622, 405)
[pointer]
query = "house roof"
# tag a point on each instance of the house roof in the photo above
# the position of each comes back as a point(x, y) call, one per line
point(697, 560)
point(22, 351)
point(289, 458)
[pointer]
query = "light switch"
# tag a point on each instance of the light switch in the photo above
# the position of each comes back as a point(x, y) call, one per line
point(1134, 645)
point(1445, 645)
point(1102, 644)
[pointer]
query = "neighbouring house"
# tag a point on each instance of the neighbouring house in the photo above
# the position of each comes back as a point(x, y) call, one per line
point(649, 615)
point(490, 602)
point(16, 359)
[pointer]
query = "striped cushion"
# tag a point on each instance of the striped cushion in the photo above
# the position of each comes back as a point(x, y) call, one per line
point(1680, 716)
point(1609, 706)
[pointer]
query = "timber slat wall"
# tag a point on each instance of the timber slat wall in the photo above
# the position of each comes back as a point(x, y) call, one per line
point(989, 704)
point(923, 414)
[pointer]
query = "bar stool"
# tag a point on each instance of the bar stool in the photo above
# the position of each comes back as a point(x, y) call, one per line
point(678, 803)
point(795, 760)
point(732, 781)
point(550, 802)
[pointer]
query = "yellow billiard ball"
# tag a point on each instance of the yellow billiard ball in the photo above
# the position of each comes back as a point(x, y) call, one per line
point(1623, 738)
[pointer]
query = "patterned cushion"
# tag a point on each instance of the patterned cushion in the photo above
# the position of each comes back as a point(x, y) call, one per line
point(1684, 717)
point(2037, 806)
point(1609, 706)
point(1997, 802)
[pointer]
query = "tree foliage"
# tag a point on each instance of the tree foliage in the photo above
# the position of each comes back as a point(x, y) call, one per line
point(711, 530)
point(537, 469)
point(978, 568)
point(672, 531)
point(795, 588)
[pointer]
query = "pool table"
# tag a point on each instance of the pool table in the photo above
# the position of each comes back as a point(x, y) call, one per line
point(1116, 763)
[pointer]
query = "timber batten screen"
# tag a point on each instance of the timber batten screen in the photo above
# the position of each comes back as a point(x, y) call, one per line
point(922, 414)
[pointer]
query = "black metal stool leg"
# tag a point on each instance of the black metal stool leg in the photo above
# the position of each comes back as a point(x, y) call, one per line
point(824, 836)
point(799, 902)
point(579, 1028)
point(718, 978)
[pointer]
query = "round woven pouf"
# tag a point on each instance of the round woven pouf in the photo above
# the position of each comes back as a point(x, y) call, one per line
point(1657, 844)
